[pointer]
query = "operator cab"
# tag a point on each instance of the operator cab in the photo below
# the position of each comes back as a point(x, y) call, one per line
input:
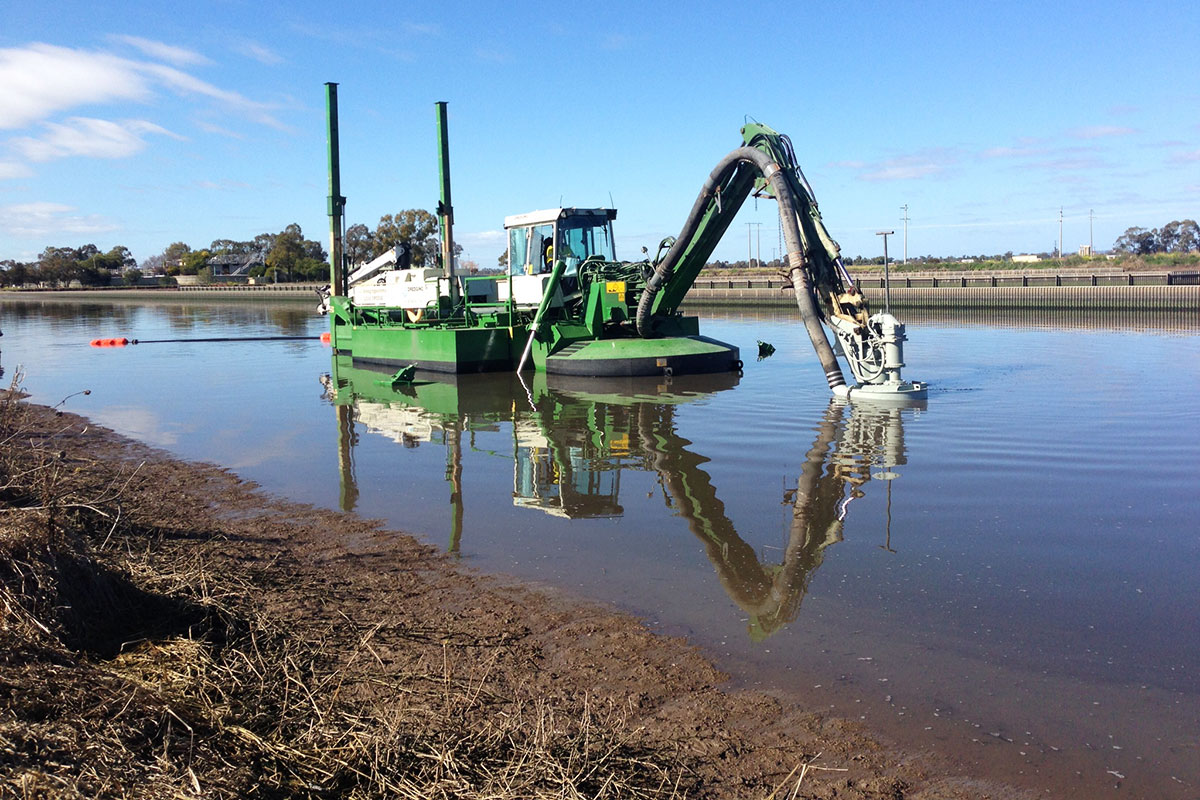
point(537, 239)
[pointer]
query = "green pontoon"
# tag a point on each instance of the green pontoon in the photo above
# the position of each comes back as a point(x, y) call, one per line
point(567, 306)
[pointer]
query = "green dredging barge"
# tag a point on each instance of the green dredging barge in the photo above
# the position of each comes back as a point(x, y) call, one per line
point(567, 306)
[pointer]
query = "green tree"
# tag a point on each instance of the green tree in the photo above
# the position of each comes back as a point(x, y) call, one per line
point(1189, 236)
point(357, 244)
point(1179, 236)
point(14, 273)
point(86, 251)
point(1168, 237)
point(56, 266)
point(172, 257)
point(132, 277)
point(122, 253)
point(1137, 241)
point(286, 252)
point(92, 273)
point(312, 269)
point(415, 226)
point(230, 247)
point(192, 263)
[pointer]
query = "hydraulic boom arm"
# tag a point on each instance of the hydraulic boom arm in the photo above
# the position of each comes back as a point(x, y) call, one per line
point(766, 163)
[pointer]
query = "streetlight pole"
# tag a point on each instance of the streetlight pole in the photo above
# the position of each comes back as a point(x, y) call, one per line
point(904, 208)
point(887, 282)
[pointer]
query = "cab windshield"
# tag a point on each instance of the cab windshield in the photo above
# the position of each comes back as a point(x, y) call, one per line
point(583, 237)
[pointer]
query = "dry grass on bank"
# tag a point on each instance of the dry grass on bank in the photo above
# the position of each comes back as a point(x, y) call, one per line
point(130, 669)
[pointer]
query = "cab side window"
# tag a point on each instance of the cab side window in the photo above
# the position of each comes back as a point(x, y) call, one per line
point(518, 250)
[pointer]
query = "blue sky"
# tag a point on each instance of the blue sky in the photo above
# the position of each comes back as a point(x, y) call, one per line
point(144, 123)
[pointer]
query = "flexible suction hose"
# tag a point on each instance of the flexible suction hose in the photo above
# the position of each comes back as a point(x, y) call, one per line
point(805, 300)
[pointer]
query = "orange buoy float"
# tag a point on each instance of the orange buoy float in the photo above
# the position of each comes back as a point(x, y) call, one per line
point(326, 337)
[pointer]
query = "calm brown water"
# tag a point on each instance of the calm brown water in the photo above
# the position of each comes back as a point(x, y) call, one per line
point(1008, 575)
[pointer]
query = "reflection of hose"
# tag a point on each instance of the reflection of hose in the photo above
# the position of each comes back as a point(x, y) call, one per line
point(770, 594)
point(720, 179)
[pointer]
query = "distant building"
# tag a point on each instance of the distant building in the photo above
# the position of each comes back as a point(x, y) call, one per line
point(1026, 258)
point(1085, 250)
point(234, 264)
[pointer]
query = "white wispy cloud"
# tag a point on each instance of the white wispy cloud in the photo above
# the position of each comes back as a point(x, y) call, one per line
point(90, 138)
point(1186, 157)
point(1067, 163)
point(40, 80)
point(209, 127)
point(40, 219)
point(1100, 131)
point(258, 52)
point(10, 170)
point(180, 56)
point(922, 164)
point(1026, 151)
point(184, 83)
point(910, 167)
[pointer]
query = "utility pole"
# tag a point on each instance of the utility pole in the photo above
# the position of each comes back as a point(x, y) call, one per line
point(887, 283)
point(750, 242)
point(904, 208)
point(1060, 255)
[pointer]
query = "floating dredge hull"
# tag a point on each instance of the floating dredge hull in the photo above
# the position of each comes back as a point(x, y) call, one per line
point(432, 348)
point(675, 355)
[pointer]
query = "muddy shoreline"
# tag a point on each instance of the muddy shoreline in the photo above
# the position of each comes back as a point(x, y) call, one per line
point(384, 646)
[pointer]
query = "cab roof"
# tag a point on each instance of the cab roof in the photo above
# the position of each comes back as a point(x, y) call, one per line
point(553, 214)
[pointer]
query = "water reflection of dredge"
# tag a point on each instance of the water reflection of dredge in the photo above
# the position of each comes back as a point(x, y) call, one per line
point(571, 443)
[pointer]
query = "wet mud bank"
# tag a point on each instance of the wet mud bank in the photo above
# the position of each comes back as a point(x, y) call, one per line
point(170, 630)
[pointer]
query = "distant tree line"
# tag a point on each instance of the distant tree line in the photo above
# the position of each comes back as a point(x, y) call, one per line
point(1174, 237)
point(283, 256)
point(60, 266)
